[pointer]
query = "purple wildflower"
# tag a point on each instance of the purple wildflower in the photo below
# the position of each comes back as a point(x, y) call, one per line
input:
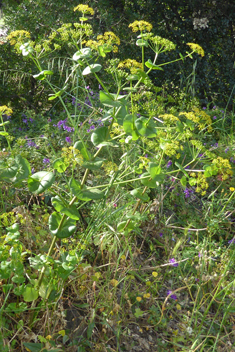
point(173, 262)
point(160, 234)
point(214, 117)
point(169, 164)
point(46, 161)
point(171, 296)
point(227, 149)
point(32, 144)
point(188, 192)
point(68, 140)
point(232, 241)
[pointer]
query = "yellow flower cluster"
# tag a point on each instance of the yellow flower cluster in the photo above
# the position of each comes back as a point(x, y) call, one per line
point(132, 65)
point(84, 9)
point(108, 38)
point(196, 48)
point(172, 148)
point(140, 26)
point(5, 110)
point(199, 117)
point(143, 162)
point(17, 36)
point(223, 166)
point(109, 166)
point(162, 44)
point(71, 156)
point(201, 182)
point(169, 118)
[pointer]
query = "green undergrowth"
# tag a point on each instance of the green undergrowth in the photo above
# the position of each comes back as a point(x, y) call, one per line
point(117, 205)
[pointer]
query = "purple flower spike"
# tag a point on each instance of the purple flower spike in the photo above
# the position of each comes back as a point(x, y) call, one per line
point(173, 262)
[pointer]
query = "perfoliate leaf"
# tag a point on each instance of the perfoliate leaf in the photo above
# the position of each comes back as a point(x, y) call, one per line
point(151, 65)
point(40, 181)
point(67, 229)
point(42, 75)
point(60, 165)
point(92, 68)
point(81, 54)
point(99, 135)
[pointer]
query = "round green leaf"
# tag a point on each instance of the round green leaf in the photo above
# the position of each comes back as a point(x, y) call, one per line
point(67, 229)
point(42, 75)
point(30, 293)
point(40, 181)
point(92, 68)
point(141, 42)
point(60, 165)
point(26, 49)
point(81, 54)
point(99, 135)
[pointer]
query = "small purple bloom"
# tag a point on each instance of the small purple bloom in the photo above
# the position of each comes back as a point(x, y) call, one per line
point(160, 234)
point(214, 107)
point(31, 144)
point(32, 170)
point(25, 121)
point(199, 255)
point(188, 192)
point(232, 241)
point(68, 140)
point(204, 108)
point(214, 117)
point(171, 296)
point(100, 87)
point(227, 149)
point(173, 262)
point(46, 161)
point(146, 155)
point(169, 164)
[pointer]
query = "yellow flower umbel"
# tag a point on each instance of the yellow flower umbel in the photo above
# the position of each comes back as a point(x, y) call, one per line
point(223, 166)
point(132, 65)
point(169, 119)
point(140, 26)
point(160, 45)
point(200, 118)
point(5, 110)
point(85, 9)
point(108, 38)
point(18, 36)
point(196, 49)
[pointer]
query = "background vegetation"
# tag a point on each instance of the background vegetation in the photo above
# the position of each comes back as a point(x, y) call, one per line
point(117, 176)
